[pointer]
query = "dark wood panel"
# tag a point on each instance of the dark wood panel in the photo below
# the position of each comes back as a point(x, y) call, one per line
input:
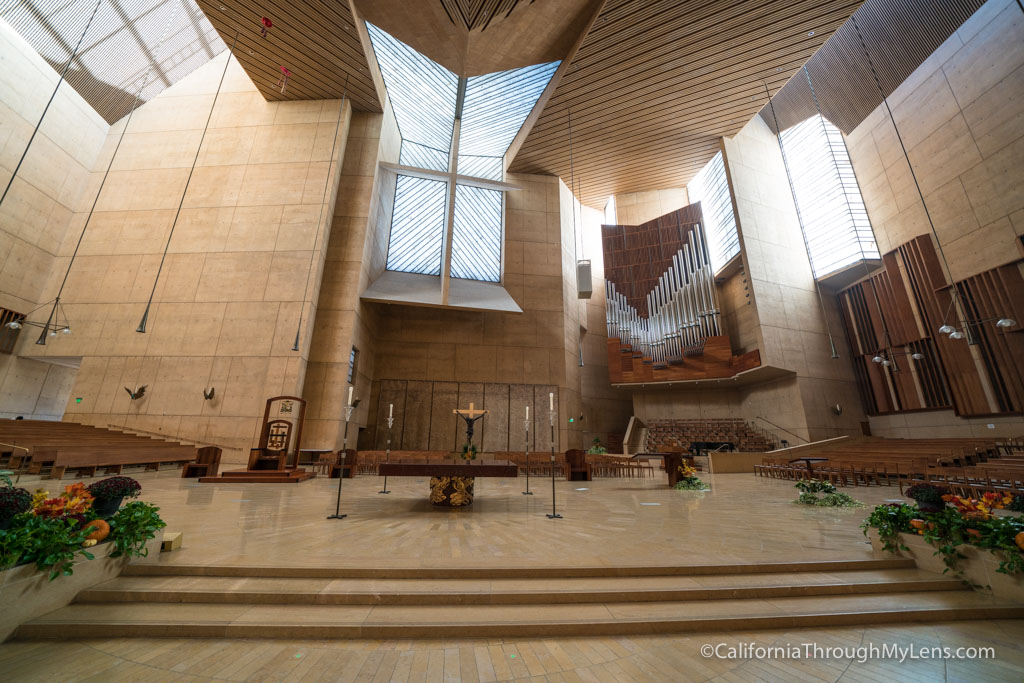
point(717, 362)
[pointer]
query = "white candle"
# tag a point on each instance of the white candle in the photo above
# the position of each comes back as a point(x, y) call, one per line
point(527, 412)
point(349, 396)
point(551, 402)
point(391, 410)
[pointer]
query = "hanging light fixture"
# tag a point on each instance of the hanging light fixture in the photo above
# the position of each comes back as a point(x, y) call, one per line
point(57, 321)
point(145, 315)
point(964, 325)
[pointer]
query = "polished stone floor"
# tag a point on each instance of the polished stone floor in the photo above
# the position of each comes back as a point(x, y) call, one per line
point(606, 522)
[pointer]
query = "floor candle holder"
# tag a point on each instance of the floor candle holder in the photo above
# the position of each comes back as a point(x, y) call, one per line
point(526, 424)
point(341, 466)
point(554, 513)
point(387, 454)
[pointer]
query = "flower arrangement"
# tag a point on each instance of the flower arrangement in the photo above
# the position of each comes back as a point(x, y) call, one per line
point(927, 496)
point(830, 497)
point(979, 508)
point(76, 500)
point(53, 533)
point(597, 448)
point(468, 452)
point(13, 501)
point(688, 480)
point(115, 487)
point(967, 522)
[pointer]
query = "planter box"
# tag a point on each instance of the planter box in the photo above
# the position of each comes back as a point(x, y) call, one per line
point(979, 567)
point(26, 592)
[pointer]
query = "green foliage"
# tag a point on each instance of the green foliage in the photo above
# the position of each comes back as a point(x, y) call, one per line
point(815, 486)
point(597, 448)
point(468, 451)
point(5, 477)
point(692, 484)
point(1017, 505)
point(891, 520)
point(947, 530)
point(132, 526)
point(811, 488)
point(52, 544)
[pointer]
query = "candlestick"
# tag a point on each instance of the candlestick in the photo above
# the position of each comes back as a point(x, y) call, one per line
point(341, 461)
point(391, 410)
point(526, 424)
point(387, 453)
point(551, 402)
point(551, 420)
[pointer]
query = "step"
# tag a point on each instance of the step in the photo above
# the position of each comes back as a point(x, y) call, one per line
point(109, 620)
point(230, 590)
point(484, 572)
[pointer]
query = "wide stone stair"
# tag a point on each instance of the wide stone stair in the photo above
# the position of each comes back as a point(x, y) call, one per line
point(152, 600)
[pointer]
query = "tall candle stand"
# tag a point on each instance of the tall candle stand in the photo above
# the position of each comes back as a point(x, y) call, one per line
point(527, 492)
point(341, 466)
point(387, 454)
point(551, 419)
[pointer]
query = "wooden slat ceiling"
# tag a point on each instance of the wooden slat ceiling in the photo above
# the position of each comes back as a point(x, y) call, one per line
point(473, 14)
point(842, 78)
point(656, 83)
point(315, 39)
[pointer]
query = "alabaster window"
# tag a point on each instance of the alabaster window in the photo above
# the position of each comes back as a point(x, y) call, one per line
point(832, 213)
point(437, 113)
point(710, 187)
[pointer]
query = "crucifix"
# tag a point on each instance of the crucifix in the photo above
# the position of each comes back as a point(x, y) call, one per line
point(470, 416)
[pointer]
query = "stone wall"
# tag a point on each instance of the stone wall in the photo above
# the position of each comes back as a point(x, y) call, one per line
point(42, 207)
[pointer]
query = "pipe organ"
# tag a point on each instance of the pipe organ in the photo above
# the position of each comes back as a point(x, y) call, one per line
point(661, 303)
point(682, 307)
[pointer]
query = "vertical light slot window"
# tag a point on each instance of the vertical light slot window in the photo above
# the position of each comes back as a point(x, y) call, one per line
point(710, 187)
point(832, 211)
point(476, 238)
point(609, 212)
point(417, 225)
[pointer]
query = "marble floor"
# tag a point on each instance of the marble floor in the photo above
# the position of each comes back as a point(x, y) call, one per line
point(610, 522)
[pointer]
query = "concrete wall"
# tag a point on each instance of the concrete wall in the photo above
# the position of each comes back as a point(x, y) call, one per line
point(634, 208)
point(961, 117)
point(226, 308)
point(52, 184)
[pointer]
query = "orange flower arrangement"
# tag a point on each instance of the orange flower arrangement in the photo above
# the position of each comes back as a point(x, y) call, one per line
point(686, 471)
point(75, 500)
point(979, 508)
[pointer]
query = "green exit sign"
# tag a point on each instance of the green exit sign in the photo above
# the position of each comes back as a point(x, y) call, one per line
point(78, 399)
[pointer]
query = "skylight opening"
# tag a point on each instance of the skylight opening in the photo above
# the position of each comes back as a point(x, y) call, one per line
point(835, 222)
point(710, 187)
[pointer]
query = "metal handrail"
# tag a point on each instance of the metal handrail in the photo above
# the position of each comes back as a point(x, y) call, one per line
point(17, 479)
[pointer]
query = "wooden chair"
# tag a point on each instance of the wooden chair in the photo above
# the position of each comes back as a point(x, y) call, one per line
point(206, 464)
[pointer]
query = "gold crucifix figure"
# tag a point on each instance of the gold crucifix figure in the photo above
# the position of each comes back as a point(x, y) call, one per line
point(470, 416)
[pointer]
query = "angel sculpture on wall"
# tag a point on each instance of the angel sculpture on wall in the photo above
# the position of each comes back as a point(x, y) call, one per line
point(138, 393)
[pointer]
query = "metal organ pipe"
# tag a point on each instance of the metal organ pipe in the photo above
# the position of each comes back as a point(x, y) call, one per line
point(682, 307)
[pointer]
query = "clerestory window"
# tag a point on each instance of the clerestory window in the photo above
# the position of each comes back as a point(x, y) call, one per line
point(455, 133)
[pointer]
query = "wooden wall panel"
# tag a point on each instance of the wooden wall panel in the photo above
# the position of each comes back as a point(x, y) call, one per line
point(520, 396)
point(442, 420)
point(496, 433)
point(392, 391)
point(983, 376)
point(416, 431)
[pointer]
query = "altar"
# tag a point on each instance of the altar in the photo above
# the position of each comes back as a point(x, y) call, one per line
point(451, 484)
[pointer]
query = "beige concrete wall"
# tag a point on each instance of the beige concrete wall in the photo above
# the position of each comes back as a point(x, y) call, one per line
point(354, 257)
point(790, 324)
point(52, 184)
point(961, 117)
point(226, 308)
point(634, 208)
